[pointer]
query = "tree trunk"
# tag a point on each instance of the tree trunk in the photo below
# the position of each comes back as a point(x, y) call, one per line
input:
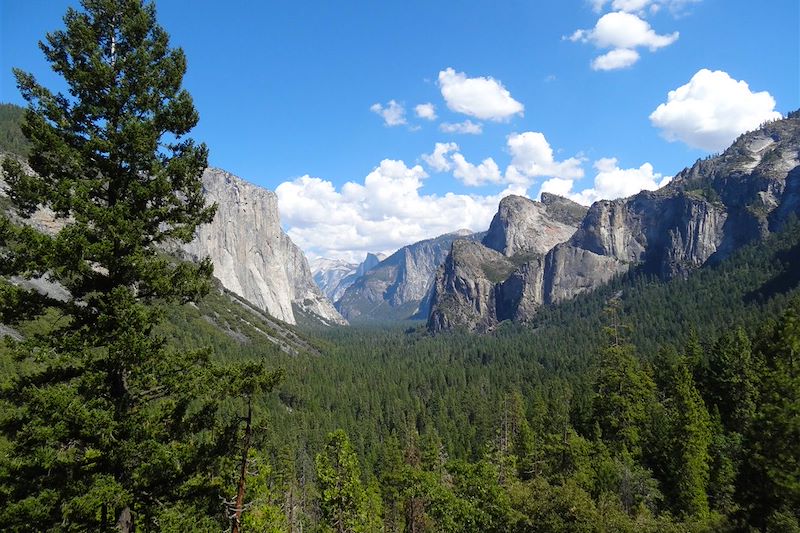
point(248, 432)
point(125, 521)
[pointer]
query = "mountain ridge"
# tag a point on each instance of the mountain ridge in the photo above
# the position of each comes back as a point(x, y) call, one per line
point(709, 210)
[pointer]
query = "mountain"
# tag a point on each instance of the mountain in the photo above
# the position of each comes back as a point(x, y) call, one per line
point(396, 288)
point(523, 226)
point(467, 286)
point(235, 309)
point(328, 273)
point(333, 276)
point(705, 213)
point(252, 255)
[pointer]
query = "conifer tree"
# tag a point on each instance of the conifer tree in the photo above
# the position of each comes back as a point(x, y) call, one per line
point(769, 481)
point(108, 428)
point(690, 438)
point(622, 393)
point(342, 496)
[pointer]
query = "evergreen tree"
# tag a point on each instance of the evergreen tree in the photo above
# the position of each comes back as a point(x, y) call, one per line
point(623, 392)
point(108, 428)
point(731, 380)
point(342, 497)
point(690, 438)
point(769, 483)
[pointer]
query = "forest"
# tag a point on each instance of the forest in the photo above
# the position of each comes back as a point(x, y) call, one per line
point(147, 399)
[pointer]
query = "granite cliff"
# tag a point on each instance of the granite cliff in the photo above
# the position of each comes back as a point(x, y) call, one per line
point(707, 211)
point(481, 283)
point(252, 255)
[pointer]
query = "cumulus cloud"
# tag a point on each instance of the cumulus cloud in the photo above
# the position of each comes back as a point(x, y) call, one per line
point(712, 110)
point(384, 212)
point(622, 32)
point(615, 59)
point(476, 175)
point(462, 127)
point(532, 157)
point(393, 114)
point(426, 111)
point(483, 98)
point(610, 182)
point(438, 160)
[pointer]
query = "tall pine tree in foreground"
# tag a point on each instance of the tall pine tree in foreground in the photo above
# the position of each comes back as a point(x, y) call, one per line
point(108, 428)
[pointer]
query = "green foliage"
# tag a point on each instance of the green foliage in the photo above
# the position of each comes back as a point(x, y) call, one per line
point(687, 442)
point(11, 138)
point(770, 475)
point(343, 500)
point(623, 392)
point(104, 421)
point(730, 379)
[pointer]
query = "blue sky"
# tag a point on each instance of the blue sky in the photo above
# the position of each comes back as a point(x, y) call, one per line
point(287, 95)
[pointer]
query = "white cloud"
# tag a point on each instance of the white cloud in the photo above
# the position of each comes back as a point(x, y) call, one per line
point(711, 110)
point(476, 175)
point(615, 59)
point(483, 98)
point(462, 127)
point(426, 111)
point(532, 157)
point(610, 182)
point(622, 32)
point(677, 7)
point(393, 114)
point(438, 159)
point(380, 214)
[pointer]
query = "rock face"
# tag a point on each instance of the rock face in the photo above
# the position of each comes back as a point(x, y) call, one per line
point(252, 256)
point(525, 226)
point(465, 293)
point(705, 213)
point(481, 284)
point(328, 273)
point(334, 276)
point(397, 287)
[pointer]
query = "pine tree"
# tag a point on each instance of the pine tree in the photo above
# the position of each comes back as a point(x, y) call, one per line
point(342, 496)
point(769, 481)
point(690, 438)
point(623, 392)
point(732, 380)
point(107, 426)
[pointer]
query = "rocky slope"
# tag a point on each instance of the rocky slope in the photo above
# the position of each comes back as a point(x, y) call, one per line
point(252, 256)
point(525, 226)
point(397, 287)
point(706, 212)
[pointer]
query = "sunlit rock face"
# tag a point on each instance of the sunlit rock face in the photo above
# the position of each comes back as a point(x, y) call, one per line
point(252, 256)
point(708, 210)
